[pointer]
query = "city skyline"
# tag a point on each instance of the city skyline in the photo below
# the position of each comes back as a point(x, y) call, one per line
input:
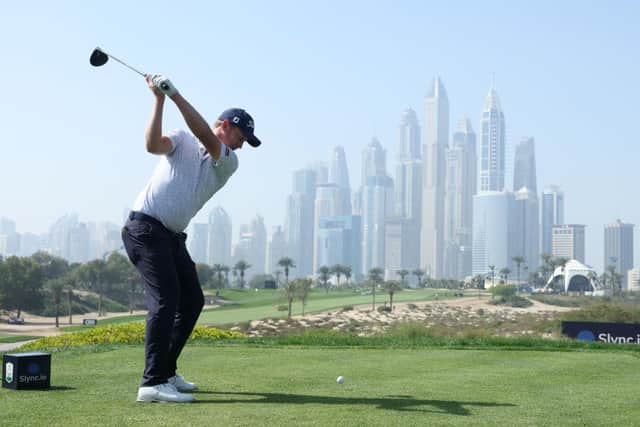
point(315, 91)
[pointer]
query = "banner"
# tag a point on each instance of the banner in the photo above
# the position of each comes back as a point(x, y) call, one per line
point(616, 333)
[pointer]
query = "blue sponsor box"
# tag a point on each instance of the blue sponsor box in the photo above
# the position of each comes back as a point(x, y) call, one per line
point(607, 332)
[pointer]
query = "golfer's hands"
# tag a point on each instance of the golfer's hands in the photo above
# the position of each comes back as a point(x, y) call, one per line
point(163, 84)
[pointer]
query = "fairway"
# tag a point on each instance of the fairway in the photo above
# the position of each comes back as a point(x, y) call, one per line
point(251, 385)
point(265, 303)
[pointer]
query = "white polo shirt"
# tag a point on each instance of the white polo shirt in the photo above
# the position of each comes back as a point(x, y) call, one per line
point(184, 180)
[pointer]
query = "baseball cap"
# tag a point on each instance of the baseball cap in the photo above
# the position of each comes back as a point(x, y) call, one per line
point(240, 118)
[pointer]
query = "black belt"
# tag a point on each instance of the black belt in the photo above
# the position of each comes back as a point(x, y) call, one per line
point(148, 218)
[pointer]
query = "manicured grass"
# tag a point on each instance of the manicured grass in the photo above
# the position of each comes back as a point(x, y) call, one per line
point(283, 385)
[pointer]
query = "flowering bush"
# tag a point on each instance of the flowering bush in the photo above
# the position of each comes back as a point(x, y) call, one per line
point(127, 333)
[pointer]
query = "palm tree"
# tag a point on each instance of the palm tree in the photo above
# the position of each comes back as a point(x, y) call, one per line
point(546, 266)
point(476, 282)
point(286, 263)
point(241, 266)
point(614, 279)
point(324, 273)
point(504, 273)
point(418, 273)
point(519, 260)
point(225, 270)
point(289, 289)
point(375, 278)
point(56, 288)
point(492, 270)
point(391, 287)
point(347, 273)
point(303, 288)
point(218, 269)
point(337, 270)
point(402, 273)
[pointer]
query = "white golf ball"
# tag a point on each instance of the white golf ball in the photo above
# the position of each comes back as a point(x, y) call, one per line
point(340, 380)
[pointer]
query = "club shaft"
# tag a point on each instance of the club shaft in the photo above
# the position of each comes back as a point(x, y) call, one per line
point(123, 63)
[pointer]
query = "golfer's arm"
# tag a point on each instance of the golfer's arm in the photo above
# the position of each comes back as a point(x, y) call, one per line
point(155, 142)
point(198, 126)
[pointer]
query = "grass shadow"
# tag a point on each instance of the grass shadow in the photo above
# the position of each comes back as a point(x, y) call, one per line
point(395, 403)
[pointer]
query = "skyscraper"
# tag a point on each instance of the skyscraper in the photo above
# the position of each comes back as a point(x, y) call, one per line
point(552, 214)
point(461, 187)
point(339, 175)
point(299, 222)
point(409, 136)
point(568, 241)
point(252, 246)
point(219, 237)
point(436, 137)
point(526, 221)
point(525, 228)
point(338, 242)
point(404, 228)
point(524, 173)
point(198, 242)
point(325, 206)
point(618, 248)
point(492, 148)
point(276, 249)
point(377, 205)
point(374, 160)
point(493, 240)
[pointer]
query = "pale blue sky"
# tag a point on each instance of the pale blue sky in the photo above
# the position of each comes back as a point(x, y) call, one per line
point(313, 75)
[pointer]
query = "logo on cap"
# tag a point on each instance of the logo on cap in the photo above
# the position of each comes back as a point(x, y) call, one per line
point(236, 119)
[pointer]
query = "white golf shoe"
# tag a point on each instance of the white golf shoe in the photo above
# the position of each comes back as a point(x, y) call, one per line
point(181, 384)
point(162, 393)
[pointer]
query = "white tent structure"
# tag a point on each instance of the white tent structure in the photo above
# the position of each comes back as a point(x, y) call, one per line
point(574, 277)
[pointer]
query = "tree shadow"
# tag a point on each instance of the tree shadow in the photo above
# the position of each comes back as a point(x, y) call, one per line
point(395, 403)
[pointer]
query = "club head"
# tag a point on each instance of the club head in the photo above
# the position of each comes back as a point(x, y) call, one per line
point(98, 57)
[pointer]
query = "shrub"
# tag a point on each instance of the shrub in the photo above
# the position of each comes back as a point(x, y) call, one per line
point(383, 309)
point(606, 312)
point(127, 333)
point(504, 291)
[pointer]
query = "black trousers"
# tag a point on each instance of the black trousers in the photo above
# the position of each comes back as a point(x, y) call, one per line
point(173, 293)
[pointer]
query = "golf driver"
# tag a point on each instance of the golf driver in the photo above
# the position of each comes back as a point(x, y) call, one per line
point(99, 57)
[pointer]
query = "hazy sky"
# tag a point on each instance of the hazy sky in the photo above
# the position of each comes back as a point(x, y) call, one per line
point(313, 75)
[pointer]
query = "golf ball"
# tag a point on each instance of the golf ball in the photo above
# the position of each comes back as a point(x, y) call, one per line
point(340, 380)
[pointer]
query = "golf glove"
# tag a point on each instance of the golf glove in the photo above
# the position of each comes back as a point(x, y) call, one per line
point(164, 84)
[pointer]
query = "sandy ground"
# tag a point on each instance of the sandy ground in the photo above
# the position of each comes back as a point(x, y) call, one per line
point(368, 321)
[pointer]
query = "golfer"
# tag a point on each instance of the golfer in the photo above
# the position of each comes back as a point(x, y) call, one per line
point(192, 168)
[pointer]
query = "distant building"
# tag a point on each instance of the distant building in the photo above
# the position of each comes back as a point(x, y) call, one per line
point(338, 242)
point(552, 214)
point(618, 248)
point(493, 236)
point(219, 237)
point(569, 242)
point(458, 211)
point(198, 242)
point(633, 280)
point(276, 249)
point(436, 141)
